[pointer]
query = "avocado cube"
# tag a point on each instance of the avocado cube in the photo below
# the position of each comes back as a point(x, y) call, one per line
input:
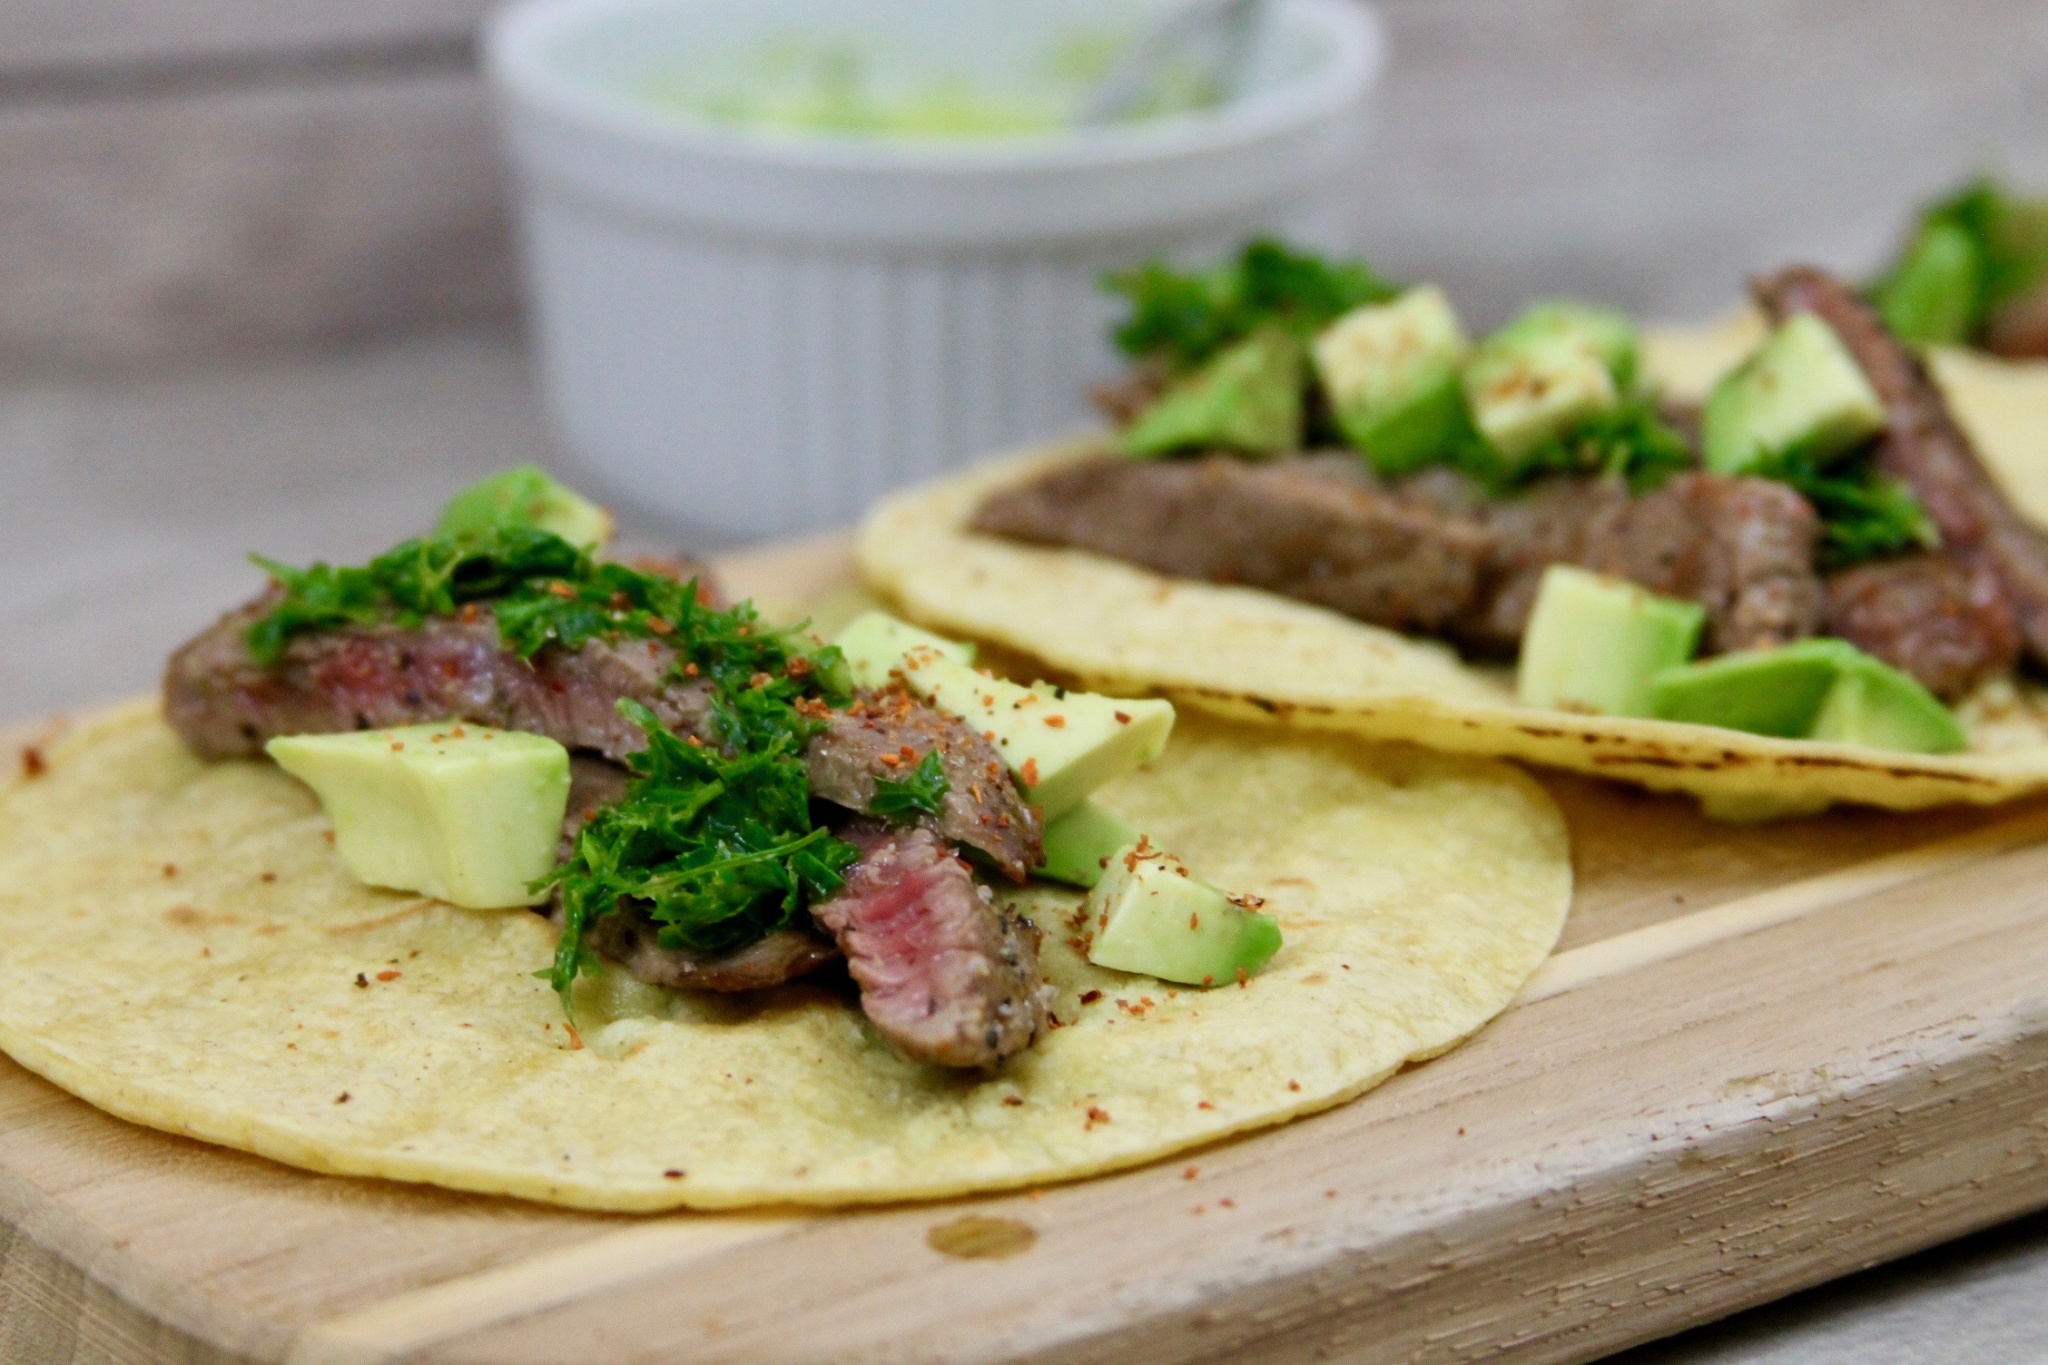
point(1610, 335)
point(1801, 394)
point(876, 643)
point(526, 496)
point(1149, 914)
point(1391, 373)
point(1079, 845)
point(461, 813)
point(1246, 398)
point(1763, 691)
point(1932, 298)
point(1527, 391)
point(1593, 643)
point(1060, 745)
point(1879, 707)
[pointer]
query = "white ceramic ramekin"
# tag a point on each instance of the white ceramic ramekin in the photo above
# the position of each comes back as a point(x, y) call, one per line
point(746, 333)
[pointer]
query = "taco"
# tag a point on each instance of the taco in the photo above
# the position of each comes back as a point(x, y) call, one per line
point(595, 890)
point(1795, 583)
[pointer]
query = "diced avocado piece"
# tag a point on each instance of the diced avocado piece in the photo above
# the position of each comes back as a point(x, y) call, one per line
point(1525, 391)
point(461, 813)
point(1247, 398)
point(1801, 393)
point(1079, 845)
point(1060, 745)
point(1878, 707)
point(875, 643)
point(1763, 691)
point(1609, 334)
point(1933, 296)
point(525, 496)
point(1150, 914)
point(1391, 371)
point(1593, 643)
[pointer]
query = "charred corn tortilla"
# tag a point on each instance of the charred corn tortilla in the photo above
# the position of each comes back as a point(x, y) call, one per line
point(180, 945)
point(1257, 657)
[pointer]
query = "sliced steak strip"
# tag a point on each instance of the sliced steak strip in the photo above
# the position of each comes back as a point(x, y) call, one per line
point(1432, 553)
point(225, 705)
point(1948, 624)
point(887, 734)
point(449, 668)
point(1741, 547)
point(945, 975)
point(1337, 542)
point(630, 938)
point(1925, 449)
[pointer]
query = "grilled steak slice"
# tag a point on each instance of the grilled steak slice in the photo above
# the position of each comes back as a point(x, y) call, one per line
point(887, 734)
point(630, 938)
point(1948, 624)
point(364, 678)
point(1925, 449)
point(225, 705)
point(1336, 542)
point(1740, 547)
point(945, 975)
point(1432, 553)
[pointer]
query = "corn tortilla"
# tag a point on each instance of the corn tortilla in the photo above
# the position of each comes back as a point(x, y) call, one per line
point(183, 948)
point(1257, 657)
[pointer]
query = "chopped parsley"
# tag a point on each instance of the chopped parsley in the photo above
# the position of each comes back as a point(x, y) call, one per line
point(918, 794)
point(1863, 514)
point(1970, 255)
point(541, 589)
point(717, 848)
point(1185, 318)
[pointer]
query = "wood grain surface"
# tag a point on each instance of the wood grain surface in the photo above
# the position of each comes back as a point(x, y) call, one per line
point(1765, 1056)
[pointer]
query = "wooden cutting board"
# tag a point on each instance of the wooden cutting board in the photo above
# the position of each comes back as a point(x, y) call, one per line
point(1763, 1057)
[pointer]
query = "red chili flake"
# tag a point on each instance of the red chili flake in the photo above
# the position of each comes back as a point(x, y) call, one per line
point(1208, 981)
point(891, 761)
point(1190, 1173)
point(799, 667)
point(1014, 1101)
point(975, 788)
point(693, 741)
point(1002, 822)
point(458, 733)
point(170, 869)
point(743, 630)
point(1029, 772)
point(1097, 1115)
point(909, 754)
point(1194, 919)
point(671, 1175)
point(575, 1038)
point(269, 877)
point(342, 1098)
point(760, 680)
point(1090, 997)
point(1461, 1132)
point(1122, 717)
point(397, 745)
point(32, 762)
point(659, 626)
point(1227, 1203)
point(1294, 1085)
point(1243, 978)
point(691, 670)
point(1329, 1194)
point(1203, 1104)
point(562, 590)
point(1056, 722)
point(388, 975)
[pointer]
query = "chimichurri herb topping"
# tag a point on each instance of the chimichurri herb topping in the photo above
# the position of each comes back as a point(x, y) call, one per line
point(718, 850)
point(920, 793)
